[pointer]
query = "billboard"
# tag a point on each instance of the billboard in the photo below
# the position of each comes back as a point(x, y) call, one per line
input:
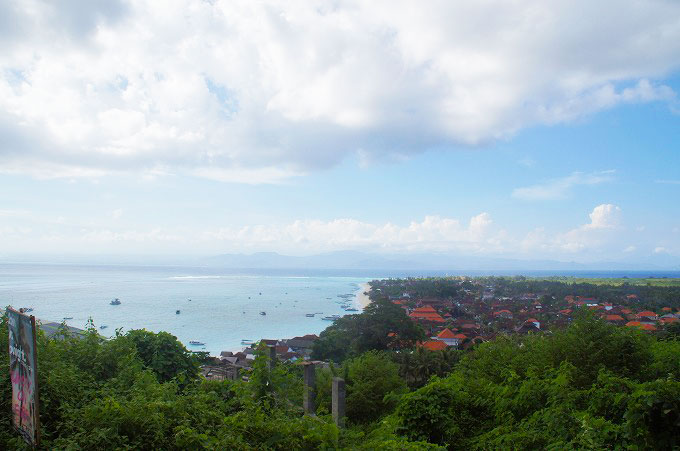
point(24, 375)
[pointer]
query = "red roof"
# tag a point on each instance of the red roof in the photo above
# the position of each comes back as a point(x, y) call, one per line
point(425, 309)
point(433, 317)
point(532, 320)
point(647, 327)
point(627, 311)
point(565, 311)
point(647, 313)
point(633, 323)
point(613, 318)
point(669, 320)
point(434, 345)
point(446, 333)
point(666, 309)
point(460, 336)
point(502, 311)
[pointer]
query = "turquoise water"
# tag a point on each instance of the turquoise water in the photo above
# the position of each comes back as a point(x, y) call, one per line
point(218, 308)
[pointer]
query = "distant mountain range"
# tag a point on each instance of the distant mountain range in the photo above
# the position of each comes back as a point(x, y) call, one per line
point(357, 260)
point(443, 262)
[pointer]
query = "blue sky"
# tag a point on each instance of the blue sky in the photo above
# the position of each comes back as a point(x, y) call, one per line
point(231, 127)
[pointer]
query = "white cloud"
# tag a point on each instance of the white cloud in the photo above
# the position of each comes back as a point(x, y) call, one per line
point(598, 234)
point(560, 188)
point(630, 249)
point(605, 216)
point(660, 250)
point(277, 89)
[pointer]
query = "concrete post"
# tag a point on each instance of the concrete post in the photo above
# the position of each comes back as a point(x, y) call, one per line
point(310, 390)
point(271, 362)
point(338, 402)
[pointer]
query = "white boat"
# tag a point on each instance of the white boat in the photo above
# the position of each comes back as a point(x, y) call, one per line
point(196, 343)
point(103, 327)
point(331, 318)
point(263, 313)
point(247, 342)
point(115, 302)
point(309, 315)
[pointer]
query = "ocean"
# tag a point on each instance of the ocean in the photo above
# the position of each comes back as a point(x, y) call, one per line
point(217, 307)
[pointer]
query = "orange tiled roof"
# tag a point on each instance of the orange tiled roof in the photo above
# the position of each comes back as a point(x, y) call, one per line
point(446, 333)
point(434, 345)
point(613, 317)
point(669, 320)
point(633, 323)
point(647, 327)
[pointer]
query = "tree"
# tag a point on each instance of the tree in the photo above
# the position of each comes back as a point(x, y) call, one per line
point(372, 378)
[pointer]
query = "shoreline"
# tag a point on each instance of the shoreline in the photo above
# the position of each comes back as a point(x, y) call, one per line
point(362, 299)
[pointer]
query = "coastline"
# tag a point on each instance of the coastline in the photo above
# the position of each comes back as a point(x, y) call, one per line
point(361, 298)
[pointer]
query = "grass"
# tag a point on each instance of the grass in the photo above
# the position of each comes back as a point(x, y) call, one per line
point(618, 281)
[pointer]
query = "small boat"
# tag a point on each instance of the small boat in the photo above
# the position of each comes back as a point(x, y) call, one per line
point(26, 309)
point(247, 342)
point(352, 309)
point(331, 318)
point(310, 315)
point(67, 317)
point(176, 312)
point(260, 293)
point(115, 302)
point(196, 343)
point(103, 326)
point(263, 313)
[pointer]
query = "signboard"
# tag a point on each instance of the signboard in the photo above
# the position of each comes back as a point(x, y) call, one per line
point(23, 371)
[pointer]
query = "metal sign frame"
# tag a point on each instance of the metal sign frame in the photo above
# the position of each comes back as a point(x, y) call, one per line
point(23, 358)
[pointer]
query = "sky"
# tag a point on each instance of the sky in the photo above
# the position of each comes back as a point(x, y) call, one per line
point(522, 129)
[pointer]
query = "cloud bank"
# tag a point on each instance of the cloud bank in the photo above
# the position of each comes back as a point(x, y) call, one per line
point(276, 89)
point(603, 235)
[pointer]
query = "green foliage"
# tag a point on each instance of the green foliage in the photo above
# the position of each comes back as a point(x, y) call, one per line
point(381, 326)
point(590, 386)
point(373, 380)
point(164, 355)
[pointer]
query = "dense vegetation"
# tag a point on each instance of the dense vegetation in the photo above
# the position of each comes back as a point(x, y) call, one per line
point(589, 386)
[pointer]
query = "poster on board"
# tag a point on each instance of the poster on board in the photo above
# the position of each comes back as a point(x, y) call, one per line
point(24, 375)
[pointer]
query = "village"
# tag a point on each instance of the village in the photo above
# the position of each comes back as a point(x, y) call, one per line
point(466, 312)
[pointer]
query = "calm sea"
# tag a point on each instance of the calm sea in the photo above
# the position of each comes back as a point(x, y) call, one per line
point(217, 307)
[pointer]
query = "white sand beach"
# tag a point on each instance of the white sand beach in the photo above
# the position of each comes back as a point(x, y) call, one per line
point(362, 299)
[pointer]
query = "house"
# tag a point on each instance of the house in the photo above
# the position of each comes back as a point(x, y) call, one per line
point(614, 318)
point(434, 345)
point(651, 316)
point(527, 327)
point(535, 322)
point(507, 314)
point(427, 313)
point(450, 338)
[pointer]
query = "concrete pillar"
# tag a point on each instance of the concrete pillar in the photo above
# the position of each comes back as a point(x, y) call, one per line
point(271, 362)
point(338, 402)
point(310, 389)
